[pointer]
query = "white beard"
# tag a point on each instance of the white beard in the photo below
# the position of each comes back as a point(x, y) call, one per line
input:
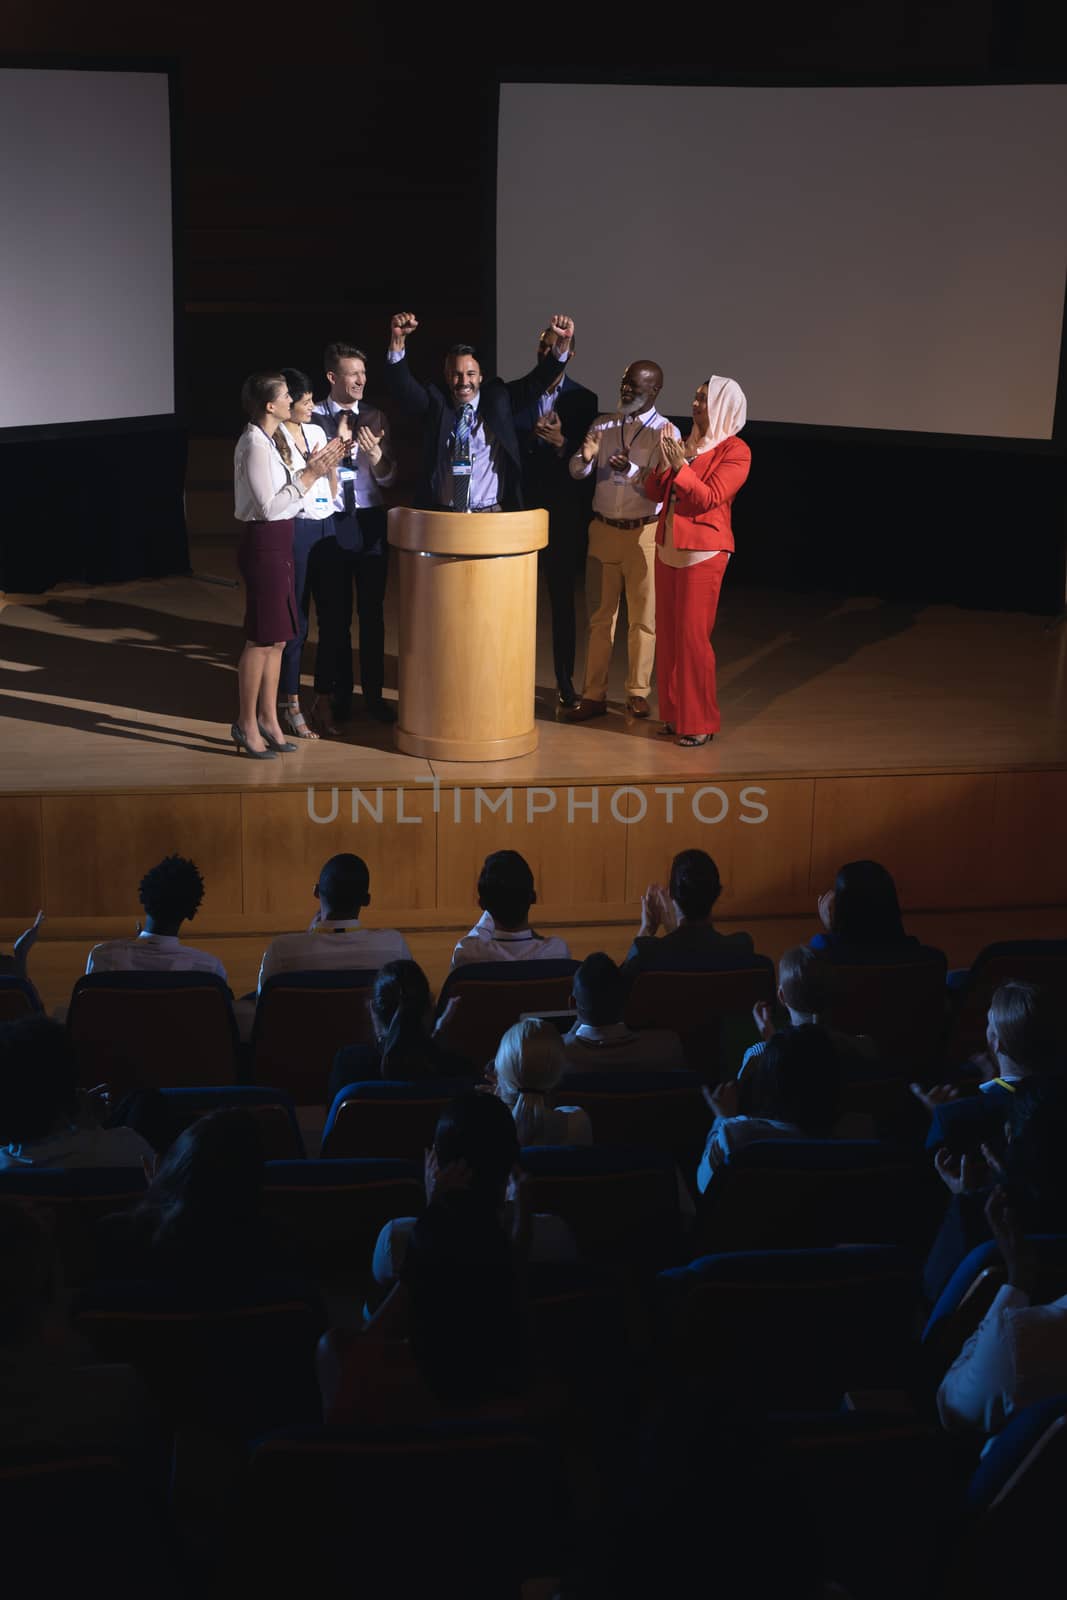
point(632, 407)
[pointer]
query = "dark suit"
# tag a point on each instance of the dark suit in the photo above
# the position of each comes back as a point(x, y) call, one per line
point(359, 553)
point(547, 482)
point(693, 947)
point(497, 403)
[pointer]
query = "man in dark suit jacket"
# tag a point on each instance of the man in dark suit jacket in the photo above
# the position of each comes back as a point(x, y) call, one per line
point(550, 429)
point(493, 468)
point(690, 943)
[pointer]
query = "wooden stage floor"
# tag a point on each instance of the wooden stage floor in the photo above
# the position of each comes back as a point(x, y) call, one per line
point(934, 739)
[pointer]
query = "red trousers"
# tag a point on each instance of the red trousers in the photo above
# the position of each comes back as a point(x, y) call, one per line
point(687, 599)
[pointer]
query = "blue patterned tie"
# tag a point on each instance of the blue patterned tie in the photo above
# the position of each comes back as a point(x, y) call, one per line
point(461, 459)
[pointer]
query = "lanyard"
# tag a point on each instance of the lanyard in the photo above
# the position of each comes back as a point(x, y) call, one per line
point(626, 448)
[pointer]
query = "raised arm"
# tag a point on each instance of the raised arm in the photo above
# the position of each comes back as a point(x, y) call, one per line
point(525, 390)
point(404, 390)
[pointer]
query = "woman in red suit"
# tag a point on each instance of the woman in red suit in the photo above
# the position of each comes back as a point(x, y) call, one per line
point(697, 481)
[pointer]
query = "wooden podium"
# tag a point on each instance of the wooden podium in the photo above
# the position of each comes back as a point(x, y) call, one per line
point(468, 631)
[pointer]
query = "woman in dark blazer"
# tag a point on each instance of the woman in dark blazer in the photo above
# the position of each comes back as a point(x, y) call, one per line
point(697, 482)
point(269, 486)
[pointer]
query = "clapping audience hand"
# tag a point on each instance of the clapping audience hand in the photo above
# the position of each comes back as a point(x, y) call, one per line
point(961, 1174)
point(724, 1098)
point(763, 1017)
point(652, 911)
point(590, 447)
point(371, 444)
point(550, 429)
point(325, 457)
point(448, 1013)
point(672, 452)
point(940, 1094)
point(826, 910)
point(440, 1181)
point(15, 963)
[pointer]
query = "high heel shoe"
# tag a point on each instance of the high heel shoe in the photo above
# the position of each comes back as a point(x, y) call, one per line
point(282, 749)
point(295, 722)
point(243, 746)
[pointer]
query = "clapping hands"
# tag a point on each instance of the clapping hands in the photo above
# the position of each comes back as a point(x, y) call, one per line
point(656, 911)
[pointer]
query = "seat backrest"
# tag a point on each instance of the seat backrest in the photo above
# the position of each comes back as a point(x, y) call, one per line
point(1040, 961)
point(664, 1110)
point(241, 1360)
point(799, 1194)
point(387, 1118)
point(302, 1020)
point(973, 1286)
point(273, 1110)
point(493, 995)
point(794, 1329)
point(140, 1030)
point(700, 1005)
point(902, 1006)
point(330, 1212)
point(306, 1484)
point(17, 998)
point(73, 1202)
point(621, 1204)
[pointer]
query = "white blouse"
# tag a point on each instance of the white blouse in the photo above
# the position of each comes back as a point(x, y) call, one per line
point(263, 487)
point(317, 504)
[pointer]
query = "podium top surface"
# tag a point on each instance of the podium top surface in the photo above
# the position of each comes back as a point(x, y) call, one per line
point(468, 533)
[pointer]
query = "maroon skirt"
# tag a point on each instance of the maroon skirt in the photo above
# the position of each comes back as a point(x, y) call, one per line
point(265, 561)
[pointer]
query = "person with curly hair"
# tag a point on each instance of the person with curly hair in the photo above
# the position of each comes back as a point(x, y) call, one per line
point(171, 894)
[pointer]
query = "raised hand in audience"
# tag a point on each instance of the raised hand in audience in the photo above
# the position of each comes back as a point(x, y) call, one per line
point(826, 910)
point(961, 1174)
point(448, 1013)
point(939, 1094)
point(724, 1099)
point(763, 1017)
point(14, 965)
point(656, 911)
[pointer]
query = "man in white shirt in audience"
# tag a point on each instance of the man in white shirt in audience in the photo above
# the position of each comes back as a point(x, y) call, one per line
point(336, 941)
point(171, 894)
point(600, 1041)
point(503, 933)
point(622, 447)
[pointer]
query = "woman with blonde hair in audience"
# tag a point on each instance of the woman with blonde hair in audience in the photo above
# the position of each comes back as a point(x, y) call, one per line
point(529, 1063)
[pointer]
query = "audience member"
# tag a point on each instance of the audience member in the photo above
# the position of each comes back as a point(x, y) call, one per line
point(1026, 1036)
point(600, 1041)
point(791, 1091)
point(683, 913)
point(16, 964)
point(805, 987)
point(528, 1066)
point(1019, 1353)
point(405, 1036)
point(1029, 1161)
point(503, 933)
point(171, 894)
point(476, 1134)
point(49, 1399)
point(44, 1120)
point(336, 941)
point(202, 1215)
point(861, 918)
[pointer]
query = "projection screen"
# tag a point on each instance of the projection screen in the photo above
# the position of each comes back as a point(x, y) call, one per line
point(86, 265)
point(882, 258)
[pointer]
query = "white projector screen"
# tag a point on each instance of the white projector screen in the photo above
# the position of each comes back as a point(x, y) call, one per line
point(86, 264)
point(889, 258)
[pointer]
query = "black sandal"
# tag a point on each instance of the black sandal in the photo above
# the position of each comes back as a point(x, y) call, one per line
point(689, 740)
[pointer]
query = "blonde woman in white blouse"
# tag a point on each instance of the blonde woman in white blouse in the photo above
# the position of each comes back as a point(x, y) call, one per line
point(269, 485)
point(529, 1063)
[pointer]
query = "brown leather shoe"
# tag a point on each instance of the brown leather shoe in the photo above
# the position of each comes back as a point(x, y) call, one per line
point(586, 710)
point(637, 705)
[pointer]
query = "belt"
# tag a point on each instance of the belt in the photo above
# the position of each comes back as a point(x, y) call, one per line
point(496, 506)
point(626, 522)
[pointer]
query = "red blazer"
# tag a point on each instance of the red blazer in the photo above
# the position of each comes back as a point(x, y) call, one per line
point(705, 489)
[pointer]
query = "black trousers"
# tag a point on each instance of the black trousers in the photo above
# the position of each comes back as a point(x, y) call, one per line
point(367, 569)
point(558, 564)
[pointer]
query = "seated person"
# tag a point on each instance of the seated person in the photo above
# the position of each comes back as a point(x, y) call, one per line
point(600, 1041)
point(475, 1133)
point(171, 894)
point(451, 1338)
point(202, 1216)
point(16, 964)
point(1019, 1353)
point(526, 1070)
point(45, 1121)
point(792, 1091)
point(1026, 1036)
point(861, 918)
point(49, 1399)
point(503, 933)
point(405, 1044)
point(805, 985)
point(335, 941)
point(683, 912)
point(1030, 1160)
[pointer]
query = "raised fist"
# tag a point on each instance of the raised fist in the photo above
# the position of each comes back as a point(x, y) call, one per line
point(402, 324)
point(562, 327)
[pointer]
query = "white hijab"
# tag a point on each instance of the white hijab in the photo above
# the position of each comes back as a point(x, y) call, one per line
point(727, 410)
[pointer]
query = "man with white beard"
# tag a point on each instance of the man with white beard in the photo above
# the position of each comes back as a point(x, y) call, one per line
point(622, 539)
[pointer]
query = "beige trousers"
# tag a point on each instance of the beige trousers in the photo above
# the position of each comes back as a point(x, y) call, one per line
point(620, 558)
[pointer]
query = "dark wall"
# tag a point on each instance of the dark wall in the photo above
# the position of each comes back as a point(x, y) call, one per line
point(338, 166)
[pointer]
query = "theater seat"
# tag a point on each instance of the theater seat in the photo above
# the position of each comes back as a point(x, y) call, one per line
point(973, 1287)
point(302, 1020)
point(141, 1030)
point(388, 1117)
point(17, 998)
point(331, 1212)
point(1040, 961)
point(621, 1204)
point(493, 995)
point(74, 1201)
point(710, 1010)
point(901, 1006)
point(273, 1110)
point(664, 1110)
